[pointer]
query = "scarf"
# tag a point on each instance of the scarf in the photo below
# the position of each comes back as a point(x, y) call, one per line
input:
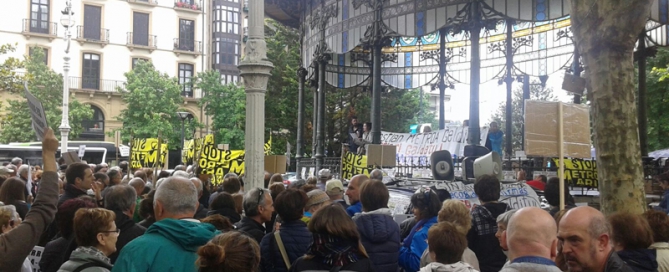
point(93, 252)
point(419, 225)
point(333, 250)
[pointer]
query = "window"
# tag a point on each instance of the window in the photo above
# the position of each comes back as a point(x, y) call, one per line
point(39, 16)
point(226, 51)
point(229, 79)
point(45, 52)
point(92, 24)
point(186, 35)
point(185, 75)
point(190, 2)
point(135, 60)
point(226, 19)
point(91, 71)
point(140, 28)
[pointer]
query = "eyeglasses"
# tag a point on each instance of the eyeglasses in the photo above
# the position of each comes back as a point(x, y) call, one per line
point(261, 192)
point(112, 231)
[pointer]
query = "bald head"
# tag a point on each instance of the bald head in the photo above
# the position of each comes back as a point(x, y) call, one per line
point(376, 174)
point(138, 184)
point(353, 190)
point(587, 218)
point(531, 232)
point(585, 236)
point(140, 174)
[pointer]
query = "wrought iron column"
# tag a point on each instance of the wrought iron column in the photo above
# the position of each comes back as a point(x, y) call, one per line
point(642, 103)
point(320, 127)
point(442, 76)
point(314, 118)
point(576, 68)
point(376, 92)
point(475, 80)
point(255, 70)
point(526, 96)
point(301, 77)
point(509, 92)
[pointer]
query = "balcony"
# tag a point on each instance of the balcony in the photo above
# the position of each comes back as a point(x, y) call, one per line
point(96, 85)
point(182, 46)
point(246, 5)
point(151, 3)
point(92, 36)
point(188, 6)
point(245, 33)
point(135, 40)
point(93, 130)
point(38, 28)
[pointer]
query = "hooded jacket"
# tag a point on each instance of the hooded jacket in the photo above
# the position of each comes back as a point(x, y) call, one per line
point(251, 228)
point(129, 231)
point(456, 267)
point(168, 245)
point(481, 237)
point(662, 253)
point(85, 255)
point(296, 240)
point(380, 235)
point(640, 260)
point(410, 256)
point(354, 208)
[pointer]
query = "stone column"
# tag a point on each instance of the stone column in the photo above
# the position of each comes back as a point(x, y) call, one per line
point(255, 70)
point(301, 78)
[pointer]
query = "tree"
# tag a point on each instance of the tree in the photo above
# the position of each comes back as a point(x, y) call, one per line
point(537, 92)
point(47, 86)
point(605, 33)
point(10, 80)
point(152, 101)
point(658, 98)
point(227, 106)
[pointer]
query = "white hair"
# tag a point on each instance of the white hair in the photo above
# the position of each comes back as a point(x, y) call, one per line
point(23, 169)
point(177, 195)
point(181, 174)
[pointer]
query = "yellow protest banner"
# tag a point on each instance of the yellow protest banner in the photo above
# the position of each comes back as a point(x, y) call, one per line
point(145, 153)
point(191, 147)
point(580, 172)
point(353, 164)
point(217, 162)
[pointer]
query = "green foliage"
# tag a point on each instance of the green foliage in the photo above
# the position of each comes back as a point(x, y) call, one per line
point(657, 97)
point(10, 80)
point(538, 93)
point(152, 101)
point(47, 86)
point(227, 106)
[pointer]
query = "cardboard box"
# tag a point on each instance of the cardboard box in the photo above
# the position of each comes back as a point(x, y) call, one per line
point(381, 155)
point(542, 129)
point(275, 164)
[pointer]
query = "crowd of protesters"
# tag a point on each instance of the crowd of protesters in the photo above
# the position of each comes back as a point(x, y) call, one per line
point(98, 218)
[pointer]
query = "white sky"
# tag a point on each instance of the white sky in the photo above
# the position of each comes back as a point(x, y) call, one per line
point(491, 95)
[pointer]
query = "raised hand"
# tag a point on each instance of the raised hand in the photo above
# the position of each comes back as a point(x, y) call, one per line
point(49, 143)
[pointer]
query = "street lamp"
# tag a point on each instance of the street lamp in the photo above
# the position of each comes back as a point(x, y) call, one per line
point(67, 21)
point(184, 116)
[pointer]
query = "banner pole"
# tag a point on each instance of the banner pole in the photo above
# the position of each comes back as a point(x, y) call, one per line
point(561, 153)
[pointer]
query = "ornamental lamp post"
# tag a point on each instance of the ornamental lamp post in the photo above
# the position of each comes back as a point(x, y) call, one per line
point(184, 116)
point(67, 21)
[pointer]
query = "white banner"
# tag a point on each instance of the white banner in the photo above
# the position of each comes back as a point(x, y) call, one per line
point(516, 195)
point(415, 149)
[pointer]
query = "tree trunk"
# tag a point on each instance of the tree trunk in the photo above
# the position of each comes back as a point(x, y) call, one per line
point(605, 32)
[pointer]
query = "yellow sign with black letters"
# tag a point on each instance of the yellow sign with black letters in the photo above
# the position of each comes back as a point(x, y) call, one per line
point(217, 162)
point(580, 172)
point(354, 164)
point(145, 153)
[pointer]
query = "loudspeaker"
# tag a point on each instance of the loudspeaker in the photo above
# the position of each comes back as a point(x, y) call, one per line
point(442, 165)
point(490, 164)
point(475, 151)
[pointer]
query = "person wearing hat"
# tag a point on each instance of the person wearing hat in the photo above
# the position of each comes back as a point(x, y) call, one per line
point(5, 173)
point(335, 190)
point(323, 176)
point(317, 200)
point(12, 170)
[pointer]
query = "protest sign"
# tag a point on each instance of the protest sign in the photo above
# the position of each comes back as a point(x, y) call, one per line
point(145, 153)
point(217, 162)
point(191, 148)
point(37, 114)
point(35, 256)
point(580, 172)
point(516, 195)
point(353, 164)
point(415, 149)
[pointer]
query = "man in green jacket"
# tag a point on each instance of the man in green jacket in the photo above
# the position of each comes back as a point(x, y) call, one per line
point(171, 243)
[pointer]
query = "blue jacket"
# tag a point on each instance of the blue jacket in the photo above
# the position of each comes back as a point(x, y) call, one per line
point(353, 209)
point(168, 245)
point(296, 239)
point(410, 256)
point(380, 235)
point(664, 203)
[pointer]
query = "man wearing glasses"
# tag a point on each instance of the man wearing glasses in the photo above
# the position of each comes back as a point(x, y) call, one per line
point(258, 208)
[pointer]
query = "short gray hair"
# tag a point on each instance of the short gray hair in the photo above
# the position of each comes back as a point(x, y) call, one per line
point(136, 182)
point(198, 185)
point(180, 173)
point(24, 169)
point(376, 174)
point(252, 200)
point(503, 219)
point(17, 160)
point(120, 198)
point(178, 195)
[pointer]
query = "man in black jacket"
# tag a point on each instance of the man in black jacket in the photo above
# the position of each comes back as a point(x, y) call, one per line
point(79, 177)
point(258, 207)
point(121, 200)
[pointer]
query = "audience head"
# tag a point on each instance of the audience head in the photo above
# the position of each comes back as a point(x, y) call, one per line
point(180, 167)
point(13, 190)
point(164, 174)
point(268, 176)
point(9, 218)
point(221, 201)
point(659, 224)
point(353, 190)
point(146, 206)
point(229, 252)
point(80, 175)
point(552, 192)
point(297, 184)
point(446, 243)
point(376, 174)
point(275, 189)
point(290, 204)
point(324, 175)
point(630, 231)
point(220, 222)
point(239, 202)
point(102, 178)
point(17, 161)
point(175, 198)
point(140, 174)
point(95, 227)
point(487, 188)
point(442, 193)
point(181, 174)
point(531, 232)
point(335, 189)
point(312, 180)
point(121, 198)
point(114, 176)
point(308, 188)
point(585, 237)
point(138, 184)
point(100, 168)
point(258, 204)
point(231, 184)
point(332, 220)
point(425, 204)
point(374, 195)
point(23, 171)
point(502, 224)
point(455, 212)
point(198, 186)
point(275, 178)
point(317, 199)
point(663, 179)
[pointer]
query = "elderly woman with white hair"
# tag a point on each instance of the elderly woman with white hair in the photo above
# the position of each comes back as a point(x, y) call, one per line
point(502, 223)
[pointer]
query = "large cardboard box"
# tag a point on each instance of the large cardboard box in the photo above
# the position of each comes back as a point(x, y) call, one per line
point(542, 129)
point(381, 155)
point(275, 164)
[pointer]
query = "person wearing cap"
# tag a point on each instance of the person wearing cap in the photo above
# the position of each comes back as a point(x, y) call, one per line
point(317, 199)
point(323, 176)
point(12, 170)
point(5, 173)
point(335, 190)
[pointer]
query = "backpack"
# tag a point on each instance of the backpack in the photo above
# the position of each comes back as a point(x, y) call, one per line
point(88, 265)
